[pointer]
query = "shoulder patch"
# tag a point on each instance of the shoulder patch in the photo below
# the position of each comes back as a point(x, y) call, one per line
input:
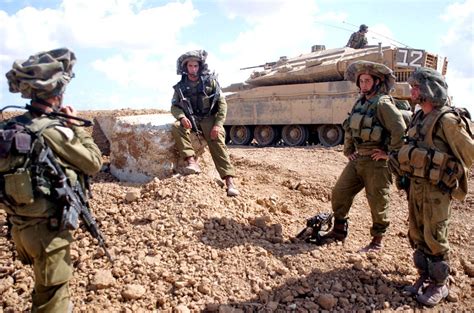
point(66, 131)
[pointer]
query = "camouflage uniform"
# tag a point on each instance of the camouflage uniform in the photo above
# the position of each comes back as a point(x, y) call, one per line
point(357, 40)
point(374, 123)
point(37, 242)
point(201, 95)
point(436, 157)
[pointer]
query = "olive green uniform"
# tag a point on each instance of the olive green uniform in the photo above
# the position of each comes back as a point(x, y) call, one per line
point(201, 101)
point(373, 124)
point(357, 40)
point(37, 243)
point(428, 157)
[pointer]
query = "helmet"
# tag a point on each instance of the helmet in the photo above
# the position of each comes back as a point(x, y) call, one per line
point(432, 85)
point(378, 70)
point(43, 75)
point(194, 55)
point(363, 28)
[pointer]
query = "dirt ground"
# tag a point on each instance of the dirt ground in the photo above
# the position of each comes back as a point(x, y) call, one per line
point(181, 245)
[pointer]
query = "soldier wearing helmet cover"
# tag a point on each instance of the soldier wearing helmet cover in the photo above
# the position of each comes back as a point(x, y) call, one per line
point(38, 239)
point(374, 128)
point(358, 39)
point(436, 158)
point(201, 91)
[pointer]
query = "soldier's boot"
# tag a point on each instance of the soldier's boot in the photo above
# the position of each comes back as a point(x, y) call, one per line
point(231, 190)
point(374, 246)
point(437, 289)
point(421, 263)
point(417, 287)
point(192, 167)
point(337, 233)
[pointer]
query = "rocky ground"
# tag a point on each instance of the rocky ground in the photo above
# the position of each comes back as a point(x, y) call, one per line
point(181, 245)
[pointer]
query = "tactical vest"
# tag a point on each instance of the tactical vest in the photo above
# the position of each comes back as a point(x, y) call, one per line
point(363, 123)
point(25, 184)
point(201, 94)
point(420, 157)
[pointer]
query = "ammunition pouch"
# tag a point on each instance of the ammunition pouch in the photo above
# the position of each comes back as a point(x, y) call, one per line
point(364, 128)
point(440, 168)
point(18, 187)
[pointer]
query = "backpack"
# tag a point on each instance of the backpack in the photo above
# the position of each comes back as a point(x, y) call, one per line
point(23, 172)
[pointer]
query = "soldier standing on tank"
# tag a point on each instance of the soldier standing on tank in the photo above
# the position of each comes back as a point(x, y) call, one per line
point(374, 128)
point(199, 91)
point(37, 237)
point(436, 157)
point(358, 39)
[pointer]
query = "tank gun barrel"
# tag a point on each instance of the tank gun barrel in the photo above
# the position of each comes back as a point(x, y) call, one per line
point(265, 65)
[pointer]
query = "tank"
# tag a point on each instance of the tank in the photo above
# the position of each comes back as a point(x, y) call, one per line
point(304, 99)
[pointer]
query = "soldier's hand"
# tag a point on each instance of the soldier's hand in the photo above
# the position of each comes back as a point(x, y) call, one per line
point(215, 132)
point(186, 123)
point(69, 110)
point(353, 156)
point(379, 154)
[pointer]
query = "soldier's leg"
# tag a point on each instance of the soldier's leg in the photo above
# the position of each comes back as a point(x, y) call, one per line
point(421, 263)
point(435, 213)
point(377, 179)
point(183, 141)
point(218, 149)
point(343, 193)
point(348, 185)
point(50, 253)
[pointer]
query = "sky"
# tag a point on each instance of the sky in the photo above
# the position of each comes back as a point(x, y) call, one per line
point(127, 49)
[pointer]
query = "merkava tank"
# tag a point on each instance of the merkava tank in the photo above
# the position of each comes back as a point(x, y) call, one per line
point(305, 99)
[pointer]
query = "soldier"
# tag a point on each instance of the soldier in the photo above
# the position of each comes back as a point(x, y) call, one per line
point(198, 105)
point(436, 158)
point(32, 209)
point(374, 128)
point(358, 39)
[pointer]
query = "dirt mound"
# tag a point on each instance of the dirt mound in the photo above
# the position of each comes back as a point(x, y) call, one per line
point(181, 245)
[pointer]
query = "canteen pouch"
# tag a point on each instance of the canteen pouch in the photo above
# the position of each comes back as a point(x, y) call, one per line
point(419, 162)
point(376, 134)
point(438, 164)
point(356, 121)
point(18, 187)
point(365, 134)
point(367, 121)
point(404, 158)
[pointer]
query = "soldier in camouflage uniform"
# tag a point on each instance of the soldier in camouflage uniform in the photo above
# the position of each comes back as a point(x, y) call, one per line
point(37, 237)
point(358, 39)
point(202, 92)
point(374, 128)
point(436, 158)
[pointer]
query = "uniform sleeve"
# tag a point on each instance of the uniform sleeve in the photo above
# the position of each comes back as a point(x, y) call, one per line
point(458, 139)
point(350, 40)
point(392, 120)
point(222, 108)
point(349, 146)
point(77, 149)
point(462, 147)
point(176, 111)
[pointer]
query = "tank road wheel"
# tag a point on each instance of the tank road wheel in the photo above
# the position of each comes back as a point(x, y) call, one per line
point(294, 135)
point(266, 135)
point(241, 135)
point(330, 135)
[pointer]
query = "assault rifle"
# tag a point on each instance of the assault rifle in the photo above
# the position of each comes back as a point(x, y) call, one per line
point(186, 106)
point(72, 199)
point(314, 225)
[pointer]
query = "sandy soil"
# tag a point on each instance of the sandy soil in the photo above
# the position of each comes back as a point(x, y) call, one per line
point(182, 245)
